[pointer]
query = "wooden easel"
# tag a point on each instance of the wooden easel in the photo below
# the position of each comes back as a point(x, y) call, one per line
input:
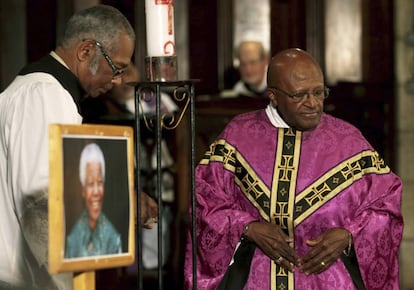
point(84, 281)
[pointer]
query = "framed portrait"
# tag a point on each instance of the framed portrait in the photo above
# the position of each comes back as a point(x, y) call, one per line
point(91, 197)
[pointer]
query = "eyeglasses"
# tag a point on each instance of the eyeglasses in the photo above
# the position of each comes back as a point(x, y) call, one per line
point(116, 71)
point(319, 94)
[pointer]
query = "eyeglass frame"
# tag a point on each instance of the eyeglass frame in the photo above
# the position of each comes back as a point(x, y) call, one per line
point(116, 71)
point(297, 98)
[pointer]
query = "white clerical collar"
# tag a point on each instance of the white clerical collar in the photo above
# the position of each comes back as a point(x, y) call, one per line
point(58, 58)
point(275, 118)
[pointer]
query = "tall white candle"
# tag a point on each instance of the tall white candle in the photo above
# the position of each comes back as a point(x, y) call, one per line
point(160, 27)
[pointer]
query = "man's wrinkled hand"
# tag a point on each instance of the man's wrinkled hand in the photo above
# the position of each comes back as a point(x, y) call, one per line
point(326, 249)
point(271, 239)
point(149, 211)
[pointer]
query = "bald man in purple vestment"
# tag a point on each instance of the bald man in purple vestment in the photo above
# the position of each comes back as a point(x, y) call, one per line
point(289, 197)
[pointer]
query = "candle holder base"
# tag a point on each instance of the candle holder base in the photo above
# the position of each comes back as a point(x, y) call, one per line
point(161, 68)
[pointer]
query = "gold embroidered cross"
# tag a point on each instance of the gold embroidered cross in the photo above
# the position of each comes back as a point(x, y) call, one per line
point(350, 169)
point(281, 216)
point(228, 156)
point(285, 168)
point(318, 194)
point(377, 162)
point(250, 185)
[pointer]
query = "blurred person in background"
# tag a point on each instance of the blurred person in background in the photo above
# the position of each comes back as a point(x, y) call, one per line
point(253, 61)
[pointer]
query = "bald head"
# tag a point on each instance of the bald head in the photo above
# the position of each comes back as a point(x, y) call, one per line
point(295, 86)
point(292, 65)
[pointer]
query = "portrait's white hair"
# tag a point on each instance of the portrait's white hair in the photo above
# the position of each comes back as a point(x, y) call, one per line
point(90, 153)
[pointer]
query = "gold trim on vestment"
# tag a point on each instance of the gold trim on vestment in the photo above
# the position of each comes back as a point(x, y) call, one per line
point(249, 182)
point(282, 198)
point(335, 180)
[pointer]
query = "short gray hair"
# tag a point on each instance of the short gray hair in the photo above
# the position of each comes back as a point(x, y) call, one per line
point(90, 153)
point(102, 23)
point(259, 45)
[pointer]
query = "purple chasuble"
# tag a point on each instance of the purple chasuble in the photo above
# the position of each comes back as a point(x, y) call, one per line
point(368, 204)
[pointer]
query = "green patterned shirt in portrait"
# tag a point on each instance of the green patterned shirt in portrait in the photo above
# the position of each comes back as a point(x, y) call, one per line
point(103, 240)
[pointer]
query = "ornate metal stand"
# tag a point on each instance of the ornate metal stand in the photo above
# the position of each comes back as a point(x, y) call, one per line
point(183, 94)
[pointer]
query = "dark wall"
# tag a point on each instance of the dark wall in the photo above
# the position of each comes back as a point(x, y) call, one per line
point(370, 104)
point(203, 45)
point(288, 29)
point(42, 19)
point(288, 26)
point(41, 28)
point(125, 6)
point(378, 41)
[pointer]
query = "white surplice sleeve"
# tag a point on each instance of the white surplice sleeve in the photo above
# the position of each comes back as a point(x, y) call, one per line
point(34, 101)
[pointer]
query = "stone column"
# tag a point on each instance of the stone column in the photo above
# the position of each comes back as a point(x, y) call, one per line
point(404, 70)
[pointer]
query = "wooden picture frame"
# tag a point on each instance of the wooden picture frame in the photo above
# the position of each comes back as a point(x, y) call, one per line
point(71, 202)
